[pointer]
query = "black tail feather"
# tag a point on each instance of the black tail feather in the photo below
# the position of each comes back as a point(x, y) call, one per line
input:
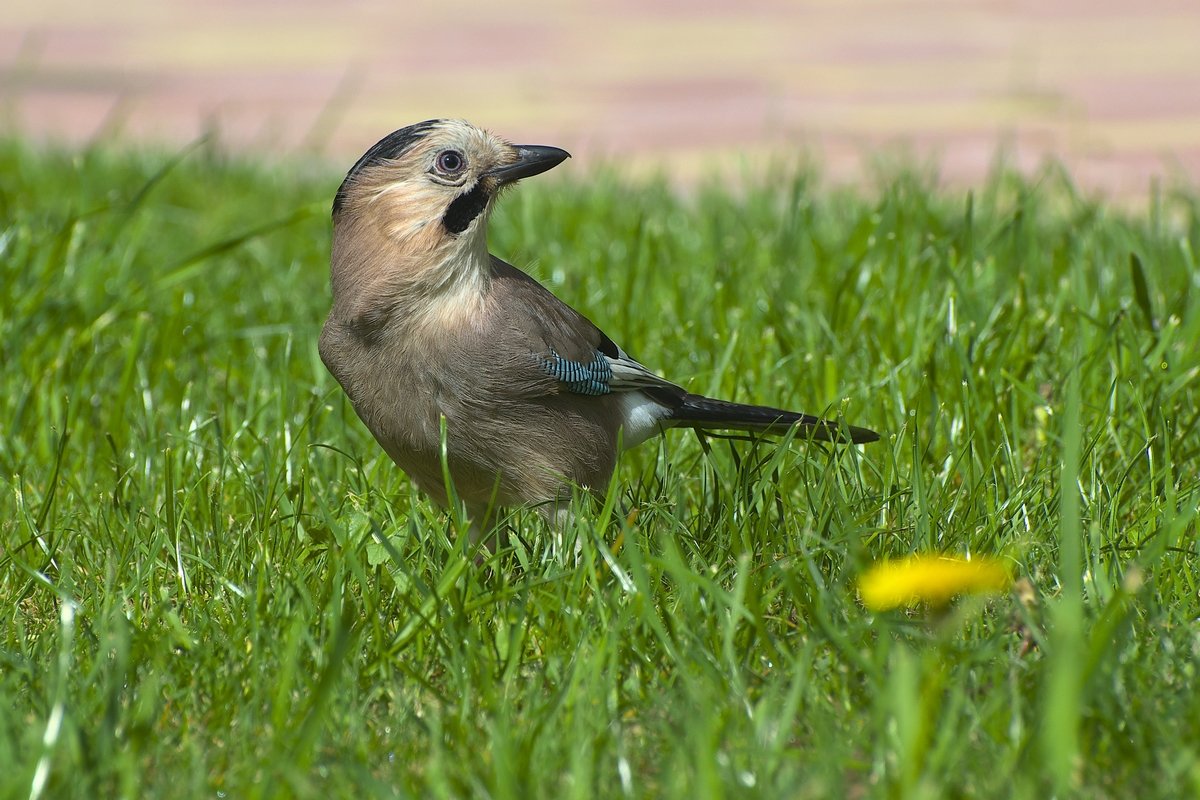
point(698, 411)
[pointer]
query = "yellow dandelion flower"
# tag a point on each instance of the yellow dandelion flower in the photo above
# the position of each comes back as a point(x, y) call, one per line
point(935, 580)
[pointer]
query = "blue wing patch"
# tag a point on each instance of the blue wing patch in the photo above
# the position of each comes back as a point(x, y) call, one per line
point(588, 379)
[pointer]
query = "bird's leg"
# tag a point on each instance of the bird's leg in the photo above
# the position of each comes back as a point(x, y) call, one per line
point(483, 530)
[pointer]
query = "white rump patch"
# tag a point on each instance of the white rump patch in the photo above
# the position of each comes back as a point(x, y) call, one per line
point(642, 418)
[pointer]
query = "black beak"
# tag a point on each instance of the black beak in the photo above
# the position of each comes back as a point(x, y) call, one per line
point(532, 159)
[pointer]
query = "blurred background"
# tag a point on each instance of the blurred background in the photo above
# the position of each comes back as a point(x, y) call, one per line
point(1111, 87)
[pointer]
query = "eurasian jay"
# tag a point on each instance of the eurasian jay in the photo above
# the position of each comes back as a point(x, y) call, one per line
point(427, 326)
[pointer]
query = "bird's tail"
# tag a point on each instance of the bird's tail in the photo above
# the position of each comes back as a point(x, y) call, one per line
point(697, 411)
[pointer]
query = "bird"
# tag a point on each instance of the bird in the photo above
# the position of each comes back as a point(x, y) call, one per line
point(451, 356)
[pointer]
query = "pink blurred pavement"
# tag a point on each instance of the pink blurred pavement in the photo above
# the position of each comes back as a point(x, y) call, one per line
point(1112, 87)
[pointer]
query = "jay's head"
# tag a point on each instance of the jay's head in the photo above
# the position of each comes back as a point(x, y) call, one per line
point(429, 187)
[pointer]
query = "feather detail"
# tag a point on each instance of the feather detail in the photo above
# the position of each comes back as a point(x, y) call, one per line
point(592, 379)
point(628, 374)
point(697, 411)
point(603, 374)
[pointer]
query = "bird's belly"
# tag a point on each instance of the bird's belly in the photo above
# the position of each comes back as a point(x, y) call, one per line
point(500, 449)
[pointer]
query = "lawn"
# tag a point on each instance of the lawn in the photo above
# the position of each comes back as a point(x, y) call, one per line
point(214, 584)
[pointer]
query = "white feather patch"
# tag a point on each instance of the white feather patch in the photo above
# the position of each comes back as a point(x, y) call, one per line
point(642, 418)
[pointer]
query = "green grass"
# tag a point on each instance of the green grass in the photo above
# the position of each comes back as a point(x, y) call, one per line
point(214, 584)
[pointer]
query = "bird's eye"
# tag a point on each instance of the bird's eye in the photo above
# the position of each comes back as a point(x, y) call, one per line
point(450, 162)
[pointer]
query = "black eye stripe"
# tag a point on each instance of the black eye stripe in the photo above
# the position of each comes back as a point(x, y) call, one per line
point(465, 208)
